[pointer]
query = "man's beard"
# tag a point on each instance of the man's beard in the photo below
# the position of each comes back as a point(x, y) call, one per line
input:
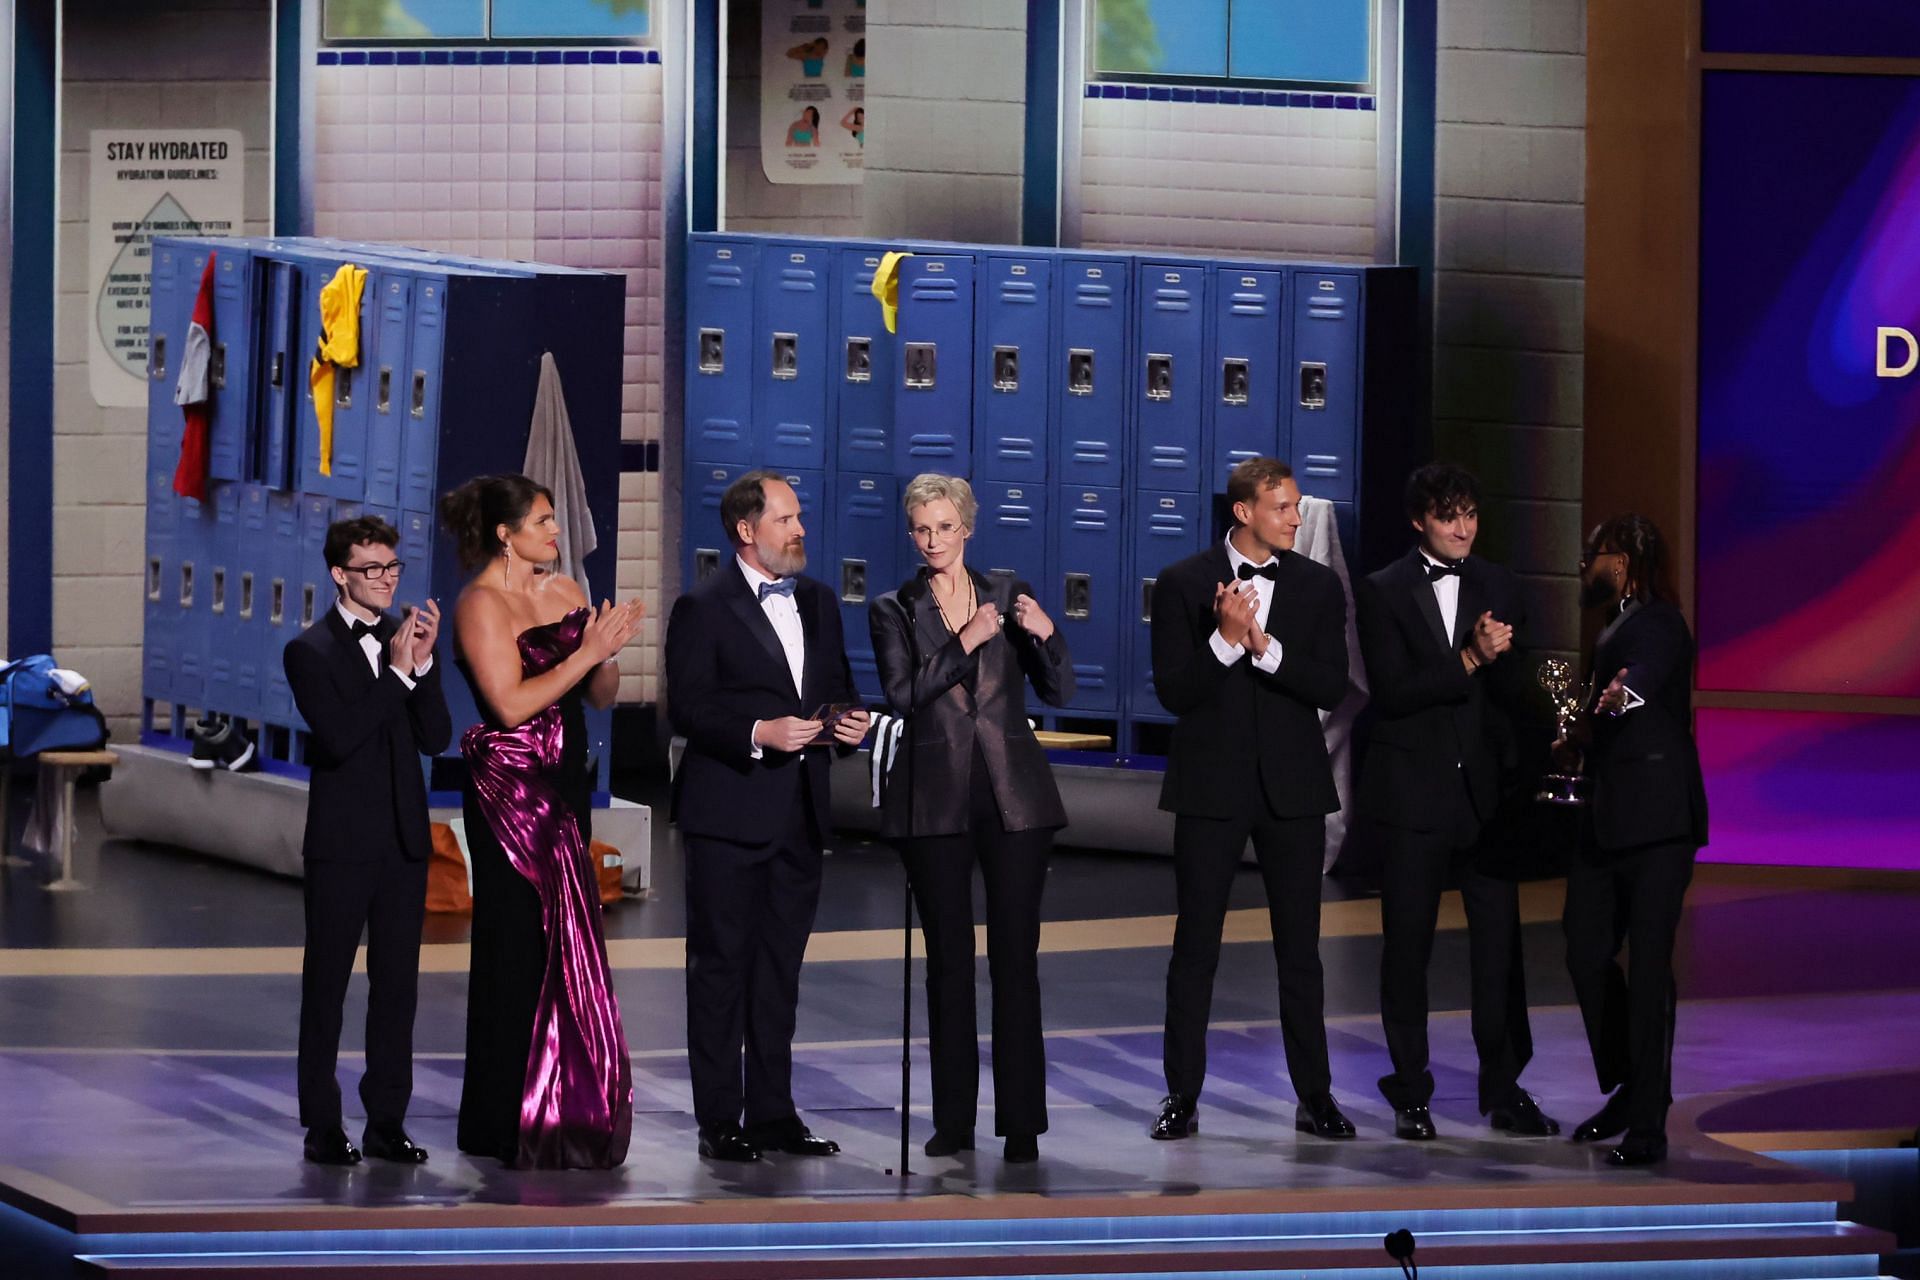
point(784, 562)
point(1597, 594)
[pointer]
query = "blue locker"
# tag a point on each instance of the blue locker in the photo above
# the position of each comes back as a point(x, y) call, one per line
point(229, 365)
point(1326, 383)
point(161, 613)
point(1169, 382)
point(811, 488)
point(1244, 401)
point(1167, 527)
point(1089, 362)
point(166, 336)
point(707, 546)
point(186, 589)
point(347, 477)
point(387, 382)
point(874, 558)
point(279, 377)
point(223, 602)
point(1010, 533)
point(313, 592)
point(280, 591)
point(933, 400)
point(420, 394)
point(720, 350)
point(1086, 597)
point(1013, 390)
point(416, 551)
point(790, 384)
point(863, 374)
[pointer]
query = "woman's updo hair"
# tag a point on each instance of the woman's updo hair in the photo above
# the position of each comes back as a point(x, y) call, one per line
point(472, 512)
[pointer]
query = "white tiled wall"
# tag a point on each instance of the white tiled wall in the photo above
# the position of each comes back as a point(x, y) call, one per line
point(552, 163)
point(199, 64)
point(1227, 178)
point(1509, 281)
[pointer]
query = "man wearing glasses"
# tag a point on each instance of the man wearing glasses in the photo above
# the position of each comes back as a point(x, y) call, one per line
point(369, 690)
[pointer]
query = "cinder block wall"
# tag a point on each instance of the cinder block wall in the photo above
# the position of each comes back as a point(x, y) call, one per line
point(184, 64)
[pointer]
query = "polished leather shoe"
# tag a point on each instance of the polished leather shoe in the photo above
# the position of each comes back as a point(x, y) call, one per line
point(1523, 1118)
point(948, 1144)
point(1022, 1148)
point(798, 1142)
point(1322, 1116)
point(390, 1142)
point(1179, 1117)
point(727, 1144)
point(327, 1144)
point(1605, 1122)
point(1415, 1124)
point(1638, 1149)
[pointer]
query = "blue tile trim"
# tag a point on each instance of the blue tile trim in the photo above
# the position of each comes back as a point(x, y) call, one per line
point(1206, 95)
point(353, 58)
point(547, 57)
point(1366, 104)
point(466, 57)
point(1347, 102)
point(493, 57)
point(380, 57)
point(1159, 93)
point(632, 55)
point(520, 57)
point(1321, 100)
point(639, 455)
point(603, 55)
point(408, 57)
point(1231, 97)
point(1136, 92)
point(329, 58)
point(574, 57)
point(437, 57)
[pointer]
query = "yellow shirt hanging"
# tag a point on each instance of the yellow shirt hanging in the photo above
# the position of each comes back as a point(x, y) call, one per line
point(338, 348)
point(886, 286)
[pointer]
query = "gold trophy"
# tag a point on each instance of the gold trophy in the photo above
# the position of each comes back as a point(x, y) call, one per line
point(1556, 677)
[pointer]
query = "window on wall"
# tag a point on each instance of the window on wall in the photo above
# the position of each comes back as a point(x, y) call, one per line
point(1306, 42)
point(468, 21)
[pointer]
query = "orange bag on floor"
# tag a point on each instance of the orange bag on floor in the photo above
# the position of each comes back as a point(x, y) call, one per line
point(447, 874)
point(611, 865)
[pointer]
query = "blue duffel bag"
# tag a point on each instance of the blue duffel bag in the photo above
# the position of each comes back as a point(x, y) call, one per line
point(44, 711)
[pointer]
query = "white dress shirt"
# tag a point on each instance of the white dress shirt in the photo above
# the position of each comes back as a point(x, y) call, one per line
point(370, 646)
point(784, 614)
point(1446, 593)
point(1229, 654)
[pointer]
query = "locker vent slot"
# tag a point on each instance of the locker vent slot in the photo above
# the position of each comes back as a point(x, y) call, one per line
point(1079, 596)
point(921, 363)
point(853, 582)
point(1159, 377)
point(1079, 372)
point(1313, 385)
point(1234, 380)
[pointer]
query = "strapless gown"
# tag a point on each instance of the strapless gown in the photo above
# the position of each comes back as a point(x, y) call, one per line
point(548, 1081)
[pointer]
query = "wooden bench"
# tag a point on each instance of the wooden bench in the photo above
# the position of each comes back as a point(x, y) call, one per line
point(59, 771)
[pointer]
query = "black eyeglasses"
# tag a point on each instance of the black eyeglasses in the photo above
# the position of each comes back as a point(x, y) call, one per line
point(370, 572)
point(1588, 557)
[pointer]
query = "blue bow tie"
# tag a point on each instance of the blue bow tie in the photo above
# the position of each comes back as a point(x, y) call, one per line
point(781, 587)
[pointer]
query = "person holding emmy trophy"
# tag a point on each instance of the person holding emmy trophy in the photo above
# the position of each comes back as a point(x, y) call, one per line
point(1439, 629)
point(1644, 818)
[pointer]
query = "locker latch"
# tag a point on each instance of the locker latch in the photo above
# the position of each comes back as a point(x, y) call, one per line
point(705, 561)
point(859, 360)
point(921, 362)
point(219, 603)
point(158, 359)
point(1159, 377)
point(419, 408)
point(277, 602)
point(1234, 380)
point(217, 366)
point(1079, 372)
point(246, 597)
point(786, 355)
point(1006, 368)
point(343, 388)
point(306, 604)
point(713, 351)
point(853, 582)
point(384, 400)
point(1079, 596)
point(186, 585)
point(1313, 385)
point(1146, 599)
point(153, 577)
point(279, 367)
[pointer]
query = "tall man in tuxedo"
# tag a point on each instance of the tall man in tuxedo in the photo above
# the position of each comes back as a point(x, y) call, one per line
point(1437, 630)
point(369, 689)
point(1249, 646)
point(754, 652)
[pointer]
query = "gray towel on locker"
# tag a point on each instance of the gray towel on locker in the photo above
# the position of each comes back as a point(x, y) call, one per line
point(553, 462)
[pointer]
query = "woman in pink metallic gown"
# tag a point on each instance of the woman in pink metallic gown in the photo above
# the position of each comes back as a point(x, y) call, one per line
point(548, 1082)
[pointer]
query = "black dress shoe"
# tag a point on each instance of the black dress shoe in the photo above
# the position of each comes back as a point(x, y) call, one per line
point(327, 1144)
point(1415, 1124)
point(799, 1142)
point(1322, 1116)
point(947, 1144)
point(1638, 1149)
point(390, 1142)
point(1022, 1148)
point(727, 1144)
point(1605, 1122)
point(1179, 1117)
point(1523, 1118)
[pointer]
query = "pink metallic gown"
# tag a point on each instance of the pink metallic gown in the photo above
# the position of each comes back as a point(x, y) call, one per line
point(576, 1108)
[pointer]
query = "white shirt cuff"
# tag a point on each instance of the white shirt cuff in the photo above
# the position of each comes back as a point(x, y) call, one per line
point(1633, 700)
point(1227, 653)
point(405, 679)
point(1269, 661)
point(757, 751)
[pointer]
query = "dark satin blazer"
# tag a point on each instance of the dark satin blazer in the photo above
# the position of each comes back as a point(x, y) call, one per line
point(1647, 787)
point(952, 699)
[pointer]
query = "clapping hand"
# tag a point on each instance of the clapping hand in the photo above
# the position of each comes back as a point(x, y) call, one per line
point(400, 644)
point(1233, 612)
point(1491, 638)
point(424, 625)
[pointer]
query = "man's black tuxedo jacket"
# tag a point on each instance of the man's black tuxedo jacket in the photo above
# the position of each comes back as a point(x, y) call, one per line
point(365, 794)
point(725, 670)
point(1647, 787)
point(1432, 721)
point(1248, 744)
point(954, 699)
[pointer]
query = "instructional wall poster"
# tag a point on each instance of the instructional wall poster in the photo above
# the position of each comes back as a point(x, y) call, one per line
point(145, 183)
point(813, 90)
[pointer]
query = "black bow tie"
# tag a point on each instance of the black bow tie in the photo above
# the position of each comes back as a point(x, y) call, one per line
point(359, 628)
point(1435, 572)
point(1270, 571)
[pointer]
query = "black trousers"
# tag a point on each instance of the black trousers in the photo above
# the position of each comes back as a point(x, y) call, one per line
point(1013, 865)
point(750, 910)
point(1632, 898)
point(1416, 867)
point(388, 901)
point(1206, 854)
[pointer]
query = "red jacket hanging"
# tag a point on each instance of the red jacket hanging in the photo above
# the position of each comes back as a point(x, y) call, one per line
point(191, 393)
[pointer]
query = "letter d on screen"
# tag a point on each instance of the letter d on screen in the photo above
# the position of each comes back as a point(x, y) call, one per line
point(1886, 334)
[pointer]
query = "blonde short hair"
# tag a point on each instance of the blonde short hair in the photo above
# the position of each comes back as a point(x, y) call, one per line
point(930, 486)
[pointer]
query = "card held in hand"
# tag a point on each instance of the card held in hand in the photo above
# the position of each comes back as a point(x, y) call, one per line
point(830, 714)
